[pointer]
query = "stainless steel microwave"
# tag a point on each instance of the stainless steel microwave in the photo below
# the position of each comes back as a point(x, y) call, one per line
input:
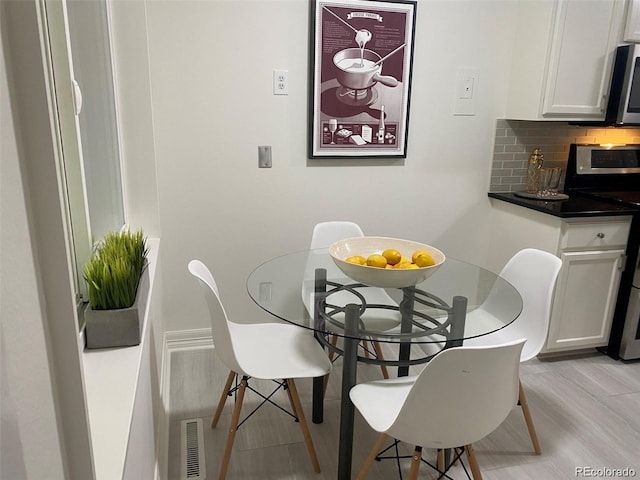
point(623, 107)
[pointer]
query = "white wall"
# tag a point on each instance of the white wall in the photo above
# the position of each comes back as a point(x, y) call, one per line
point(213, 105)
point(133, 94)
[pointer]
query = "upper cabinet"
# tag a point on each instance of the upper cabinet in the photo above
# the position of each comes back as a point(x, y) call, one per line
point(632, 25)
point(563, 56)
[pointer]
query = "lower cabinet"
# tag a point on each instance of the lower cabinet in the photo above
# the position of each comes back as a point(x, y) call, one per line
point(584, 299)
point(592, 251)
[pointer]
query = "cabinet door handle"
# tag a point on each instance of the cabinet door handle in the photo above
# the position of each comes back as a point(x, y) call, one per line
point(600, 235)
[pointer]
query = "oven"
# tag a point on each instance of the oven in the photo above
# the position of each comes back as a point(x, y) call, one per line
point(612, 173)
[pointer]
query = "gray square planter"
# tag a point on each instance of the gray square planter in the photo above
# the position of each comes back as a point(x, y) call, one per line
point(121, 327)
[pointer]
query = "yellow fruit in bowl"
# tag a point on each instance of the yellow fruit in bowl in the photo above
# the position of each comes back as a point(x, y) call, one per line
point(376, 260)
point(416, 253)
point(424, 260)
point(404, 261)
point(393, 256)
point(402, 264)
point(357, 259)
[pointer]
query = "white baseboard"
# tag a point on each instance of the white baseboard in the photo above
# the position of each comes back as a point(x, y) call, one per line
point(162, 442)
point(188, 339)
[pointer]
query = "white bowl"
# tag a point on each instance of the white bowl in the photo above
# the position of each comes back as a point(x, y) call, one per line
point(383, 277)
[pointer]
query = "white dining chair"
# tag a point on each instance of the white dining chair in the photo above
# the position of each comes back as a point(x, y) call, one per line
point(326, 233)
point(461, 396)
point(533, 273)
point(268, 351)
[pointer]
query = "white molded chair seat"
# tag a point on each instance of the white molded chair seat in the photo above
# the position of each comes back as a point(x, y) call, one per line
point(461, 396)
point(267, 351)
point(272, 351)
point(533, 273)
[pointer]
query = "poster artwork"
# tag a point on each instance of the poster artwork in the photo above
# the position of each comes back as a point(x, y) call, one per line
point(362, 75)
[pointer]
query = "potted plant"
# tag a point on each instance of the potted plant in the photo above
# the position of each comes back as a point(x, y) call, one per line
point(117, 283)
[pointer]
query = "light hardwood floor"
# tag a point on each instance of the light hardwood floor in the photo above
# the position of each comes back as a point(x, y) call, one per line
point(586, 410)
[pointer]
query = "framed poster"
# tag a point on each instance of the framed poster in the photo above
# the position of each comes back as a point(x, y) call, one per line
point(361, 62)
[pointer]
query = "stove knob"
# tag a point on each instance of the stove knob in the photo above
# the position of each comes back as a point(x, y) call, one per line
point(600, 235)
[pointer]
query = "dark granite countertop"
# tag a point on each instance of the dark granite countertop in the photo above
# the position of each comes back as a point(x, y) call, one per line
point(574, 206)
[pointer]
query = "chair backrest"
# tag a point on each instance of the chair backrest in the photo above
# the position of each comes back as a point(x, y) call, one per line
point(461, 396)
point(219, 321)
point(325, 233)
point(534, 273)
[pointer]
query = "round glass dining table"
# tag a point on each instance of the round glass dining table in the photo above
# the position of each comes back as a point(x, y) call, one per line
point(458, 301)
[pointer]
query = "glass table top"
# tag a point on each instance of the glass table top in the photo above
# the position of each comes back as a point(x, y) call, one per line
point(459, 301)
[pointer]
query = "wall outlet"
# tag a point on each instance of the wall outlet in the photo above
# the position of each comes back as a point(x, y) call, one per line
point(281, 82)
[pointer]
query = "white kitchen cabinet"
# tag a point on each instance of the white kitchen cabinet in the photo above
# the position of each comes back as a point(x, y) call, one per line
point(584, 299)
point(563, 57)
point(592, 251)
point(632, 26)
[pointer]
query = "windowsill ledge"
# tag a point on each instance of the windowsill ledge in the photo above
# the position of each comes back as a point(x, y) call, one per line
point(111, 379)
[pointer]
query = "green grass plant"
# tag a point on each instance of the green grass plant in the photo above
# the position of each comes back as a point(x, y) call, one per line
point(114, 270)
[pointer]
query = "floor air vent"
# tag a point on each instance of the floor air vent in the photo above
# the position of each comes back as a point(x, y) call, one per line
point(192, 448)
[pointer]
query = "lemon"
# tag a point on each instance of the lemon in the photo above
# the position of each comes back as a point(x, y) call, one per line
point(357, 259)
point(424, 260)
point(402, 263)
point(376, 260)
point(416, 253)
point(406, 265)
point(393, 256)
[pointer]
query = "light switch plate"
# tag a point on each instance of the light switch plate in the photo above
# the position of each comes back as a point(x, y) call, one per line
point(264, 156)
point(466, 91)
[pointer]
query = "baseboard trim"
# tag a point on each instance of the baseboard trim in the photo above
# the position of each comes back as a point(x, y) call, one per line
point(162, 444)
point(188, 339)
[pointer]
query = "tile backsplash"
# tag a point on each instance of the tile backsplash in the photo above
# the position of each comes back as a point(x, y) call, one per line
point(516, 139)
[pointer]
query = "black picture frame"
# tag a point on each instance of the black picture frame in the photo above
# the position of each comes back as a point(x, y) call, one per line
point(361, 63)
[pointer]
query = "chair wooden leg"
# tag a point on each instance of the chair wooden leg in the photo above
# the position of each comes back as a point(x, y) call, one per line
point(334, 342)
point(288, 390)
point(378, 350)
point(325, 383)
point(416, 460)
point(223, 398)
point(457, 451)
point(372, 456)
point(522, 400)
point(299, 412)
point(365, 347)
point(440, 460)
point(235, 417)
point(473, 462)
